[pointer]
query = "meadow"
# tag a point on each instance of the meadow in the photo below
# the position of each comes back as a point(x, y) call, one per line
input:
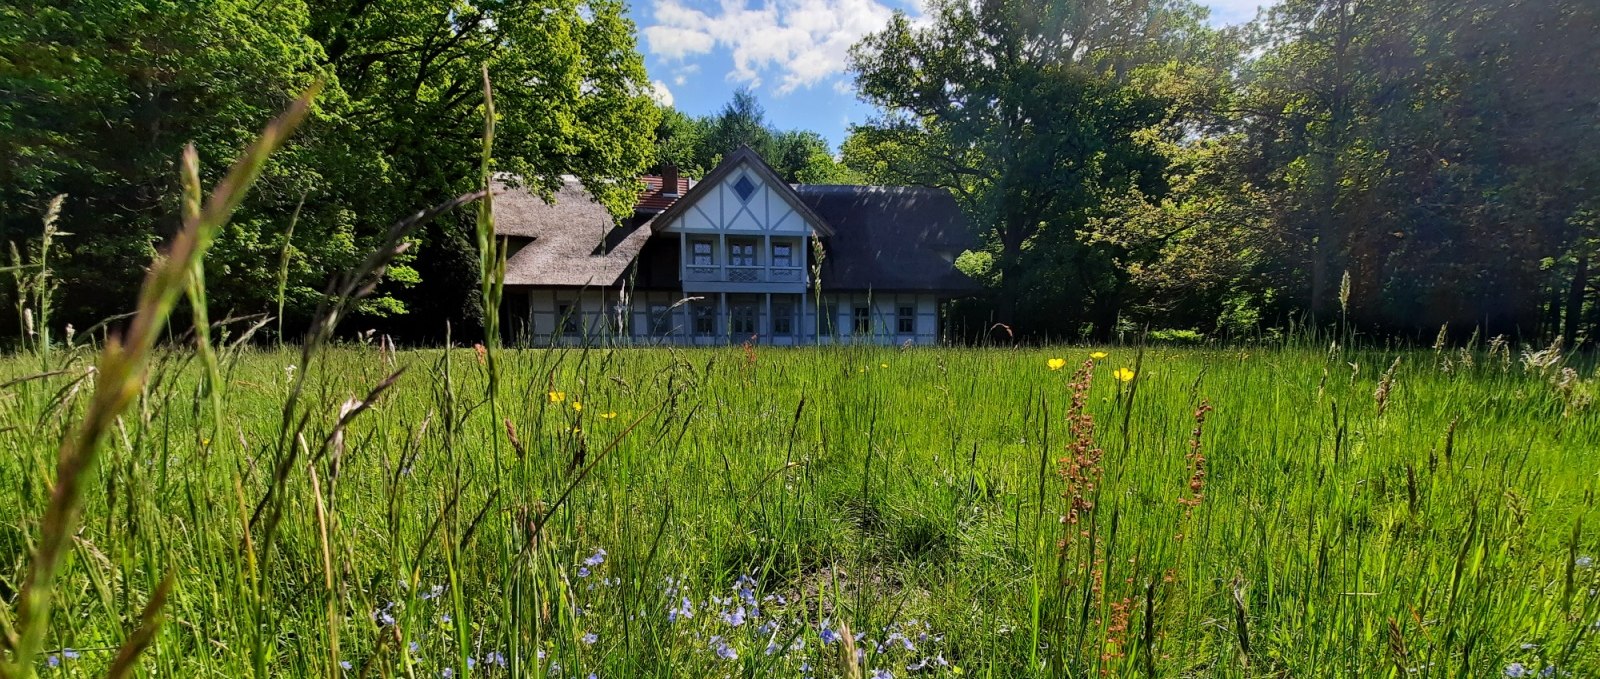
point(184, 501)
point(1277, 510)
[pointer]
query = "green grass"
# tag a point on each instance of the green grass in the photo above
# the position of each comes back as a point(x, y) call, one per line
point(899, 494)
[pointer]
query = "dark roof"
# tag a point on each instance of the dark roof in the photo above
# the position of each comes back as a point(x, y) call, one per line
point(651, 199)
point(726, 167)
point(891, 238)
point(576, 242)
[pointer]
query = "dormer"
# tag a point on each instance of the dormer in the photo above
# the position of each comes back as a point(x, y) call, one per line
point(742, 229)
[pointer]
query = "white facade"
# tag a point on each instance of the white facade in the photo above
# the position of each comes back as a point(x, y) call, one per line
point(742, 235)
point(743, 240)
point(608, 317)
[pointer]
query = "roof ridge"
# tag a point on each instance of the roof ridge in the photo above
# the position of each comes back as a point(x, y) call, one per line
point(841, 188)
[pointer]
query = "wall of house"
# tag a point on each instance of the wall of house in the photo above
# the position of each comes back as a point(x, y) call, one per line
point(552, 316)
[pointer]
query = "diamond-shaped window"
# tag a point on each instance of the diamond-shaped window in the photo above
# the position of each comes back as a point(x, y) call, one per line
point(744, 187)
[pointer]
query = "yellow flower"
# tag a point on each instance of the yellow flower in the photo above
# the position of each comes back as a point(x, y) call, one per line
point(608, 416)
point(1123, 374)
point(1056, 363)
point(577, 406)
point(1098, 355)
point(558, 396)
point(883, 365)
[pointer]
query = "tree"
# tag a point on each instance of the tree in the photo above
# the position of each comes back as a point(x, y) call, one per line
point(1432, 152)
point(573, 100)
point(1024, 110)
point(696, 145)
point(742, 122)
point(101, 100)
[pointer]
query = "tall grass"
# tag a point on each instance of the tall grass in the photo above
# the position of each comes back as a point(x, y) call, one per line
point(341, 509)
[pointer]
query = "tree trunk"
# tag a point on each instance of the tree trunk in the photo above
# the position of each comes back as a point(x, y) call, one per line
point(1012, 235)
point(1580, 283)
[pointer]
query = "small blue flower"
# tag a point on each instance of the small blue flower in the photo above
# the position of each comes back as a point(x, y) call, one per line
point(722, 649)
point(685, 611)
point(447, 673)
point(734, 619)
point(344, 664)
point(597, 558)
point(1516, 670)
point(882, 674)
point(590, 638)
point(583, 571)
point(413, 647)
point(828, 636)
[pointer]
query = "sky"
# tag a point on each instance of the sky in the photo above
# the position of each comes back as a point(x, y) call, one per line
point(791, 53)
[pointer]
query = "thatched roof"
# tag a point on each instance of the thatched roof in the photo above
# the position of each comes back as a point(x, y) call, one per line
point(886, 239)
point(575, 241)
point(891, 238)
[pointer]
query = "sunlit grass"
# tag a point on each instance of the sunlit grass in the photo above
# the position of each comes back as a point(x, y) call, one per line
point(894, 493)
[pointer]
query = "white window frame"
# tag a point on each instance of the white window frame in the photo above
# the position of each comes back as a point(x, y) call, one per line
point(902, 318)
point(748, 255)
point(702, 252)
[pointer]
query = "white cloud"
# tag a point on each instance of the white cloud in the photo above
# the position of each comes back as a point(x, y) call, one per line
point(798, 43)
point(1225, 12)
point(680, 80)
point(660, 93)
point(844, 86)
point(801, 43)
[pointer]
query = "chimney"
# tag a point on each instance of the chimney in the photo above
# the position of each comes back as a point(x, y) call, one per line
point(669, 180)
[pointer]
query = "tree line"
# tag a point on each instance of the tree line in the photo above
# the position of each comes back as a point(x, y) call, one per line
point(1400, 165)
point(98, 97)
point(1395, 165)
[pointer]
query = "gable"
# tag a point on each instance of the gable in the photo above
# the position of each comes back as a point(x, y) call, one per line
point(742, 195)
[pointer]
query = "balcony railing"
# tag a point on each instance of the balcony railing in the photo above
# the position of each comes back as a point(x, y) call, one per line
point(703, 273)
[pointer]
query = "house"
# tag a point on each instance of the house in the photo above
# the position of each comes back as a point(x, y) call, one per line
point(733, 258)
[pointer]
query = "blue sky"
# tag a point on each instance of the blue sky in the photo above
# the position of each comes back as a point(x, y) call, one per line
point(791, 53)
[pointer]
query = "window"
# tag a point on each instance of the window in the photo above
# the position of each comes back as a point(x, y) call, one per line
point(743, 321)
point(700, 252)
point(861, 320)
point(705, 319)
point(660, 319)
point(742, 252)
point(567, 318)
point(782, 254)
point(782, 318)
point(744, 187)
point(905, 319)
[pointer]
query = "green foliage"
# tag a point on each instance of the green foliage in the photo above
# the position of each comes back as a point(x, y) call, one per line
point(1428, 150)
point(102, 98)
point(697, 145)
point(1027, 111)
point(911, 485)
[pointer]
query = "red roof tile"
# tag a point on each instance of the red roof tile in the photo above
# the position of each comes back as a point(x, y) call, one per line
point(653, 200)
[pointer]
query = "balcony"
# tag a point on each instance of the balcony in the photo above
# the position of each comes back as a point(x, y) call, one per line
point(703, 273)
